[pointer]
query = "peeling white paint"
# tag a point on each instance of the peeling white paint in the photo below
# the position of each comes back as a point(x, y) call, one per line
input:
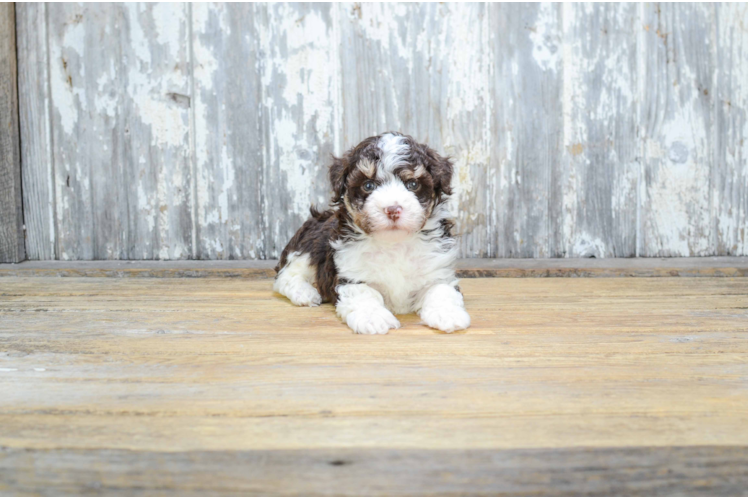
point(106, 100)
point(730, 198)
point(300, 105)
point(586, 245)
point(150, 95)
point(205, 69)
point(465, 160)
point(544, 37)
point(678, 214)
point(145, 207)
point(431, 72)
point(66, 75)
point(574, 129)
point(165, 16)
point(206, 64)
point(467, 83)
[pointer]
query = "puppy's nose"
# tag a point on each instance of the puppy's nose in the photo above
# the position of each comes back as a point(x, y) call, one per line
point(394, 211)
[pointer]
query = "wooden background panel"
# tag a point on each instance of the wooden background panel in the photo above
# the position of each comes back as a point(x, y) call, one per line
point(299, 79)
point(73, 46)
point(36, 148)
point(155, 150)
point(527, 126)
point(730, 161)
point(227, 132)
point(119, 78)
point(205, 131)
point(11, 211)
point(599, 178)
point(676, 87)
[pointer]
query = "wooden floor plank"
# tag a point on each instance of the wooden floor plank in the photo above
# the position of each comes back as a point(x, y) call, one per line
point(220, 386)
point(650, 471)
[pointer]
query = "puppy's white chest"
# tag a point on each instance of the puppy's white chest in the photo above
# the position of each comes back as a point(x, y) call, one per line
point(399, 271)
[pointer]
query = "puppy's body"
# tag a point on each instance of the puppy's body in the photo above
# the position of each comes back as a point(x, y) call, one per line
point(386, 246)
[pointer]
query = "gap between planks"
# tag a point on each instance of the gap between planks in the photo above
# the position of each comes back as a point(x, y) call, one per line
point(712, 267)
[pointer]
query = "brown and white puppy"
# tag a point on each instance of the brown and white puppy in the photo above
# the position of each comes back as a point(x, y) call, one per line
point(385, 246)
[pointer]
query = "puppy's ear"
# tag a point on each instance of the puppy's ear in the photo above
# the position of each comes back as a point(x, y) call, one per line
point(441, 172)
point(338, 173)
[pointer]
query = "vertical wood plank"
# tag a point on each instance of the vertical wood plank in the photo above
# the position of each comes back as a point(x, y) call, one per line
point(730, 169)
point(527, 130)
point(73, 204)
point(374, 77)
point(264, 123)
point(600, 169)
point(424, 70)
point(119, 78)
point(36, 148)
point(676, 91)
point(299, 72)
point(11, 209)
point(156, 153)
point(228, 139)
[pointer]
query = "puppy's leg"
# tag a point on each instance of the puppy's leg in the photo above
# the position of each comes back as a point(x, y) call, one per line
point(362, 308)
point(296, 279)
point(443, 308)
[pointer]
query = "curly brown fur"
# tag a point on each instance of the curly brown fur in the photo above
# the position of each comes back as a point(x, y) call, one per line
point(338, 223)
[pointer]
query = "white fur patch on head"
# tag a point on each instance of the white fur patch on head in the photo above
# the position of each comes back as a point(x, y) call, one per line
point(394, 151)
point(390, 194)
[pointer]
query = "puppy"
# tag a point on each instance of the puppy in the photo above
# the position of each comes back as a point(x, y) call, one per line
point(385, 246)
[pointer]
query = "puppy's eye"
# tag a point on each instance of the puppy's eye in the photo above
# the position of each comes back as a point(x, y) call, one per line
point(412, 184)
point(369, 186)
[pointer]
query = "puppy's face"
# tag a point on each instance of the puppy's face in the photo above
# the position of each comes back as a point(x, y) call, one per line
point(390, 184)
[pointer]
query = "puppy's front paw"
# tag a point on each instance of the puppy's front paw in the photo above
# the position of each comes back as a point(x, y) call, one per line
point(446, 319)
point(373, 321)
point(305, 296)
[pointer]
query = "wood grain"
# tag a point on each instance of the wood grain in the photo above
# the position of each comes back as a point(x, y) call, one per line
point(300, 107)
point(730, 164)
point(527, 129)
point(677, 80)
point(12, 247)
point(579, 130)
point(616, 385)
point(228, 138)
point(599, 180)
point(119, 77)
point(655, 471)
point(36, 148)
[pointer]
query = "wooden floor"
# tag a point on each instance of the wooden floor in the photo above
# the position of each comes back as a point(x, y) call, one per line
point(218, 386)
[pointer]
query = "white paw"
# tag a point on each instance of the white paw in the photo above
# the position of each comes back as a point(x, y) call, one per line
point(305, 296)
point(373, 321)
point(446, 319)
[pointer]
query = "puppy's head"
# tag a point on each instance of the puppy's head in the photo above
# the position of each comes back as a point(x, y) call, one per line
point(390, 184)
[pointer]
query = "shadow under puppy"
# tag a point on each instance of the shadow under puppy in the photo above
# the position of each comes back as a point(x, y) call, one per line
point(385, 246)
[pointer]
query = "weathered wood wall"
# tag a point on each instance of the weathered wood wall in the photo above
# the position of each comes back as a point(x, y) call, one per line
point(11, 211)
point(175, 131)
